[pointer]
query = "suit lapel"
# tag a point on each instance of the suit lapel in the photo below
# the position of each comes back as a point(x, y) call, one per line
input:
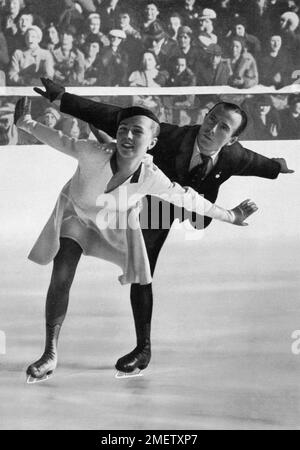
point(185, 153)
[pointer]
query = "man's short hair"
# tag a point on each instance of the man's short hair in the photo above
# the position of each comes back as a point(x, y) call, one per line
point(234, 108)
point(155, 129)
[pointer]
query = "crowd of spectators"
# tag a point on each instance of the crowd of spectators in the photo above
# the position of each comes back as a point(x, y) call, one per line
point(241, 43)
point(270, 117)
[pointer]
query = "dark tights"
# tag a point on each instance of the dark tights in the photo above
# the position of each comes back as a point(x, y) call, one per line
point(141, 295)
point(64, 268)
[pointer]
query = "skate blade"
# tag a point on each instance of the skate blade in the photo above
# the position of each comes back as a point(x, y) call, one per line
point(135, 373)
point(33, 380)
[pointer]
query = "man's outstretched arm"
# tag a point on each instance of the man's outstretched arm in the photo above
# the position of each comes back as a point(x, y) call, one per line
point(100, 115)
point(249, 163)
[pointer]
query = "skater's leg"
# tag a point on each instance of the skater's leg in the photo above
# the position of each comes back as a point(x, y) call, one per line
point(64, 268)
point(141, 297)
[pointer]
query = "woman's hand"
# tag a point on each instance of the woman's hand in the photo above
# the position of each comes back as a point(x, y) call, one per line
point(242, 211)
point(22, 109)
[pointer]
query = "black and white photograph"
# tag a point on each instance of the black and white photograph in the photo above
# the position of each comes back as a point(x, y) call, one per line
point(149, 236)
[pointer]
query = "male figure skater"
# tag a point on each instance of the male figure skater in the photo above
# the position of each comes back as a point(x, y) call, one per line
point(202, 157)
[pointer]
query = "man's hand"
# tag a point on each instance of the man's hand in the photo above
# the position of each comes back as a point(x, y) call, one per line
point(53, 90)
point(283, 165)
point(23, 108)
point(242, 211)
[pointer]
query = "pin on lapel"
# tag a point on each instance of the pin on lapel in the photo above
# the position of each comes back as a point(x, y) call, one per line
point(218, 175)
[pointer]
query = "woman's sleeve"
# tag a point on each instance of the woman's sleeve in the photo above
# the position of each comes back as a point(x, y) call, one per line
point(161, 186)
point(52, 137)
point(14, 69)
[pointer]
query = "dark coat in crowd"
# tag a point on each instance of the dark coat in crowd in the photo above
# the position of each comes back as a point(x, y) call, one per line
point(113, 69)
point(194, 57)
point(290, 128)
point(109, 19)
point(269, 66)
point(190, 18)
point(185, 78)
point(168, 52)
point(263, 131)
point(208, 76)
point(291, 45)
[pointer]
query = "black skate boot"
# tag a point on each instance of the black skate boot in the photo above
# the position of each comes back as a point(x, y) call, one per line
point(137, 360)
point(43, 368)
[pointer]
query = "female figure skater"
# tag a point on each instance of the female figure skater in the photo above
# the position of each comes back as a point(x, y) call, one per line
point(97, 212)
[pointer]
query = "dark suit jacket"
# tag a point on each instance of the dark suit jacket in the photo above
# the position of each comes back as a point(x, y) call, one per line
point(172, 153)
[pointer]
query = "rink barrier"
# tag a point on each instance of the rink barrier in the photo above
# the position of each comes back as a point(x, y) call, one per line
point(130, 91)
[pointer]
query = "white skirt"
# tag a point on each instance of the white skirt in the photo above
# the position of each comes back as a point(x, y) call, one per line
point(123, 247)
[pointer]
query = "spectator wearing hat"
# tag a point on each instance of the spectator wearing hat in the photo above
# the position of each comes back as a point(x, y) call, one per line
point(114, 61)
point(238, 29)
point(214, 70)
point(51, 117)
point(190, 13)
point(289, 31)
point(243, 66)
point(8, 131)
point(188, 49)
point(132, 44)
point(68, 60)
point(290, 119)
point(94, 33)
point(275, 66)
point(164, 48)
point(29, 65)
point(205, 33)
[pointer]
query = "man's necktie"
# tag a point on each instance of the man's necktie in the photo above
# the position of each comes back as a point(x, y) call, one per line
point(199, 172)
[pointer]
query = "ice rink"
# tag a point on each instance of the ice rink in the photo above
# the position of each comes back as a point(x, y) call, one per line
point(225, 307)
